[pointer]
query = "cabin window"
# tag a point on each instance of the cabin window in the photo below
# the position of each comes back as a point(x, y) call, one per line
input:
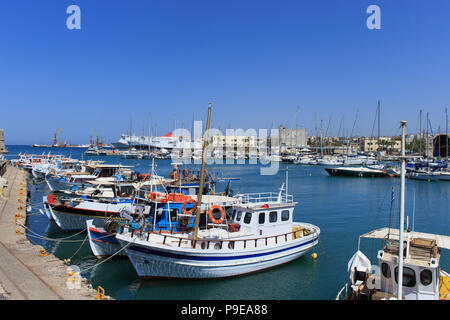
point(386, 270)
point(173, 215)
point(247, 217)
point(426, 277)
point(159, 214)
point(409, 277)
point(262, 217)
point(239, 214)
point(233, 215)
point(273, 215)
point(285, 215)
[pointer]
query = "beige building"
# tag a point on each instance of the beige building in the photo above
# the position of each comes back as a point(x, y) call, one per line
point(2, 142)
point(235, 143)
point(292, 138)
point(389, 144)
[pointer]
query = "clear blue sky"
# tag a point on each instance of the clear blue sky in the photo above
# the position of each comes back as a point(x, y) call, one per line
point(255, 60)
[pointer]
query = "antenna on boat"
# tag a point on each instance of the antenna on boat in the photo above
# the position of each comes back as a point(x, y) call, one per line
point(202, 177)
point(401, 219)
point(281, 193)
point(287, 181)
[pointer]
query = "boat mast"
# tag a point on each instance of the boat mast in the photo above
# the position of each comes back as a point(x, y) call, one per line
point(202, 177)
point(446, 135)
point(426, 141)
point(420, 131)
point(401, 219)
point(378, 141)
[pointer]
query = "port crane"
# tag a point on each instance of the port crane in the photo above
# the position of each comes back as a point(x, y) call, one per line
point(55, 138)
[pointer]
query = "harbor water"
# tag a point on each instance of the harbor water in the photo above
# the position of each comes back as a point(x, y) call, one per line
point(342, 207)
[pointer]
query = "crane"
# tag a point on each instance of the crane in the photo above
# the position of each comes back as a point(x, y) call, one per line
point(55, 138)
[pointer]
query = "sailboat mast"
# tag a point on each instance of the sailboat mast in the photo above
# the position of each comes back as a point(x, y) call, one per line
point(378, 141)
point(401, 218)
point(426, 140)
point(446, 135)
point(202, 177)
point(420, 131)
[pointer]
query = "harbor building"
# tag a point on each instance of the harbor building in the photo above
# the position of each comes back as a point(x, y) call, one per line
point(292, 138)
point(388, 144)
point(235, 143)
point(2, 142)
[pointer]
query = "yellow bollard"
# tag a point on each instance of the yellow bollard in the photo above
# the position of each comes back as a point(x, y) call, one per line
point(100, 296)
point(43, 252)
point(18, 231)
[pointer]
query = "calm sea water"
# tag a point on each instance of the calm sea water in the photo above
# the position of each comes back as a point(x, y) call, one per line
point(342, 207)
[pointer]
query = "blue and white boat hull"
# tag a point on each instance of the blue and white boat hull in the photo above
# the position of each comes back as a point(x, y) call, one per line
point(157, 260)
point(102, 243)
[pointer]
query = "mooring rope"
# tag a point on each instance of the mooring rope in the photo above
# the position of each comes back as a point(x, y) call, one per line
point(39, 236)
point(110, 257)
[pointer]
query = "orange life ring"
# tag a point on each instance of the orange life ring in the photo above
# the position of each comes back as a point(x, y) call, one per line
point(222, 214)
point(189, 200)
point(185, 172)
point(384, 171)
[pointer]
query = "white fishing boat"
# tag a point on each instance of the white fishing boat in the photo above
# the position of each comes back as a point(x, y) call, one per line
point(415, 274)
point(258, 234)
point(103, 243)
point(131, 154)
point(71, 214)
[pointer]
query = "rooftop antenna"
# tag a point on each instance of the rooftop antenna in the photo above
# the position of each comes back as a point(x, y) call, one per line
point(287, 181)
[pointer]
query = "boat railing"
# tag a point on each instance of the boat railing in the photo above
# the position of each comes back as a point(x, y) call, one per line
point(218, 243)
point(342, 294)
point(263, 197)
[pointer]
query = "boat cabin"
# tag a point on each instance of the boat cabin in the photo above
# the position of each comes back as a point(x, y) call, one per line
point(263, 214)
point(422, 276)
point(420, 270)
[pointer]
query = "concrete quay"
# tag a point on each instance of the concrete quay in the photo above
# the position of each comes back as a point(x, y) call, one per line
point(27, 272)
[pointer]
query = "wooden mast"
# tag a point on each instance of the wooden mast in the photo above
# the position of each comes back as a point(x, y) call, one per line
point(202, 177)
